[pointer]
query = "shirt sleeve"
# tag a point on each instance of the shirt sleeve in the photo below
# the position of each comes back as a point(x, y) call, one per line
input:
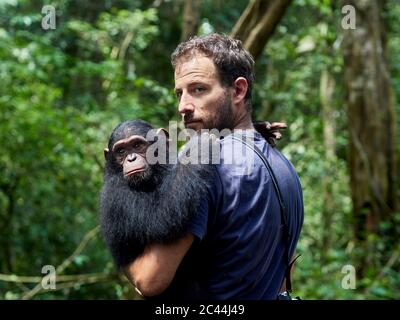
point(207, 209)
point(198, 225)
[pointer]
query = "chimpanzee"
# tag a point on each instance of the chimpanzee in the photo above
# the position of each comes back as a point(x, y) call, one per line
point(144, 203)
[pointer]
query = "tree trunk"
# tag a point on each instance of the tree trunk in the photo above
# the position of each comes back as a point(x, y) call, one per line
point(327, 87)
point(258, 22)
point(372, 121)
point(6, 224)
point(191, 18)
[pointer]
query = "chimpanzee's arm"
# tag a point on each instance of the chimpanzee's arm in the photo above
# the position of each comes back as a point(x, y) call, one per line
point(152, 272)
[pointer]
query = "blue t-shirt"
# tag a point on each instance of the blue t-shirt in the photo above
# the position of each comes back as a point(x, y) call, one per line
point(239, 252)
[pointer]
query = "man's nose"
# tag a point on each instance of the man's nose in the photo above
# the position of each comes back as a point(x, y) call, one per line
point(185, 105)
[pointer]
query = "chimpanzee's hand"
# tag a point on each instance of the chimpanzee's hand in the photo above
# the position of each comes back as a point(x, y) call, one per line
point(270, 131)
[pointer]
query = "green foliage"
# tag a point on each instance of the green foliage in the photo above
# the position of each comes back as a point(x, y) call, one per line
point(306, 43)
point(63, 90)
point(59, 100)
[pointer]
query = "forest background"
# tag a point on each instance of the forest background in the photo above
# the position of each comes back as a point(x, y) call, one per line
point(334, 81)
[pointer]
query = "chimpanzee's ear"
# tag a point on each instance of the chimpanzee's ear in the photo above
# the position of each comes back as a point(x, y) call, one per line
point(106, 152)
point(161, 131)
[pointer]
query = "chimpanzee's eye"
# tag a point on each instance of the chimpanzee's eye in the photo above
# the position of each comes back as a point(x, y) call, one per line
point(121, 151)
point(141, 145)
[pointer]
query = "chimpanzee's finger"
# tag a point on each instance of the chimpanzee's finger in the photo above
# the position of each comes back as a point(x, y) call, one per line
point(278, 125)
point(271, 141)
point(277, 135)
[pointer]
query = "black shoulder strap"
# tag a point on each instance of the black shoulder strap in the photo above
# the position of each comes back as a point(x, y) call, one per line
point(284, 214)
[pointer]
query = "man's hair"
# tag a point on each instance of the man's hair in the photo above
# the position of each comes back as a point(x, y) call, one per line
point(229, 57)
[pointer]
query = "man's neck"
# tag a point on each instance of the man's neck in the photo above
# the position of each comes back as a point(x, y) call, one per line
point(244, 123)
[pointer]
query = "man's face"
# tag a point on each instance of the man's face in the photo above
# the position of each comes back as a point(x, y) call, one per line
point(203, 102)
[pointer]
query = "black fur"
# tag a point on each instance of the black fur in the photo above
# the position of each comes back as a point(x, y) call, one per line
point(156, 212)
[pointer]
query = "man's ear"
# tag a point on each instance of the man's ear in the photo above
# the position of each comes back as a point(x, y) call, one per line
point(240, 89)
point(106, 152)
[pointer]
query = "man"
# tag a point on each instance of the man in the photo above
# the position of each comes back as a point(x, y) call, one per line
point(235, 248)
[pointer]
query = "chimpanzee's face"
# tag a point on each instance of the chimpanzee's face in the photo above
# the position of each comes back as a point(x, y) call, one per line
point(203, 102)
point(130, 154)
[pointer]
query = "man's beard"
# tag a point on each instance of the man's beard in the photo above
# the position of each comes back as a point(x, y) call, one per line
point(223, 118)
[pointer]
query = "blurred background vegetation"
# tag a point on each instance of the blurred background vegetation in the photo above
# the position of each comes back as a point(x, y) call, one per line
point(63, 90)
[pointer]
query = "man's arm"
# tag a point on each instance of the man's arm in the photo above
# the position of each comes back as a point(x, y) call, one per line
point(152, 272)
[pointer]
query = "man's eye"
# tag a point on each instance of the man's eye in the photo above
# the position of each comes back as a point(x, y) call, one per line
point(199, 89)
point(178, 95)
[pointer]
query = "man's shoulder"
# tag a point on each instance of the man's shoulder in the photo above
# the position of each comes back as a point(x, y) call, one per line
point(237, 159)
point(233, 145)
